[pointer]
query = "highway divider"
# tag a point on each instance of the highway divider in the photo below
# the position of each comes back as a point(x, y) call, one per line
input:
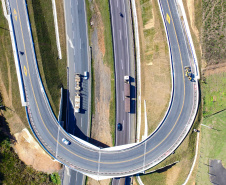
point(56, 29)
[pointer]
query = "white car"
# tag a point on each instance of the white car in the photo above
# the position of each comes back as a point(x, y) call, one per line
point(86, 75)
point(66, 142)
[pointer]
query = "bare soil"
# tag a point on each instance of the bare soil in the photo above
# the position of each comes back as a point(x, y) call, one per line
point(214, 69)
point(100, 121)
point(172, 175)
point(32, 154)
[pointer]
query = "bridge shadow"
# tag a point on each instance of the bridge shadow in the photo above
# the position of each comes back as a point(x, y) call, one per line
point(73, 126)
point(161, 170)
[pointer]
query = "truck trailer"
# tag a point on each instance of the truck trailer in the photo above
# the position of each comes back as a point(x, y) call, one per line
point(127, 93)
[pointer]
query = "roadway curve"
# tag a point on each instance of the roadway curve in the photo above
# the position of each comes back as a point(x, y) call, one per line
point(101, 162)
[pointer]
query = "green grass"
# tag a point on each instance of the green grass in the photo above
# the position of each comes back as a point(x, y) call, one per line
point(12, 169)
point(146, 11)
point(212, 145)
point(212, 141)
point(53, 71)
point(214, 94)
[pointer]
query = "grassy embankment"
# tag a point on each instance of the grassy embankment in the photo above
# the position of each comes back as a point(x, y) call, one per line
point(8, 72)
point(108, 57)
point(53, 71)
point(212, 141)
point(185, 152)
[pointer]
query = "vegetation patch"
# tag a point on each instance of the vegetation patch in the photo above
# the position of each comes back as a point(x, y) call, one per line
point(214, 35)
point(53, 71)
point(214, 93)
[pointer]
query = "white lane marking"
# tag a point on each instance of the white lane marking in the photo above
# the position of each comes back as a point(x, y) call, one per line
point(122, 63)
point(123, 95)
point(57, 141)
point(81, 122)
point(70, 42)
point(68, 171)
point(76, 176)
point(120, 35)
point(117, 3)
point(129, 127)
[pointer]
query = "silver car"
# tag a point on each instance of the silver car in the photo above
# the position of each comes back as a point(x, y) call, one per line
point(66, 142)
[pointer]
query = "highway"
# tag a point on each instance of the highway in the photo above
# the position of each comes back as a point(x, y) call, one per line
point(124, 65)
point(123, 60)
point(78, 61)
point(85, 157)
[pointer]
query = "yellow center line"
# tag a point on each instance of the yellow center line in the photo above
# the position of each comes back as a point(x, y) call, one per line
point(77, 154)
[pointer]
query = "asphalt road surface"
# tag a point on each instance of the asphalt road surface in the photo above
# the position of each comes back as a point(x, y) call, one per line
point(87, 158)
point(78, 62)
point(123, 58)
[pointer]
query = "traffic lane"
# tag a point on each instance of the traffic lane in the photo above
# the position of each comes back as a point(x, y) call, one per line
point(83, 35)
point(25, 61)
point(175, 30)
point(120, 41)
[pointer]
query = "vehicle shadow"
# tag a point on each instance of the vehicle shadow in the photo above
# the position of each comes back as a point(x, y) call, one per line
point(132, 97)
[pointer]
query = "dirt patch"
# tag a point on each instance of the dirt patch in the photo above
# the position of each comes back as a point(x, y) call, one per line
point(155, 66)
point(214, 69)
point(94, 182)
point(101, 131)
point(100, 120)
point(32, 154)
point(12, 118)
point(172, 175)
point(191, 11)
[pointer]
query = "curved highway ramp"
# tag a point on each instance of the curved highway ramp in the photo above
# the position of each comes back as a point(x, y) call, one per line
point(116, 161)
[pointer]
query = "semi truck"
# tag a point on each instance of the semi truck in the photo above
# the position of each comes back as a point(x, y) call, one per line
point(127, 93)
point(77, 93)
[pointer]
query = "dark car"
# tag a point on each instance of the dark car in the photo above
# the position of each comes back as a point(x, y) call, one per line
point(119, 127)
